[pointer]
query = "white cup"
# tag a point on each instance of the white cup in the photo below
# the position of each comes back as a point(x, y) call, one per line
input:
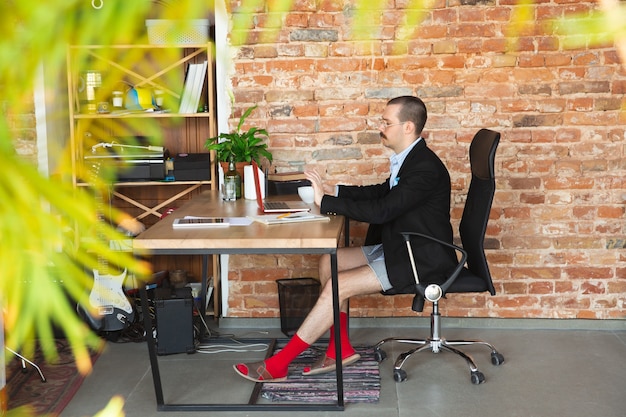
point(306, 194)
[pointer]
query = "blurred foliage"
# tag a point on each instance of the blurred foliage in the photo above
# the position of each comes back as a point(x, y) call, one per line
point(51, 234)
point(604, 26)
point(115, 408)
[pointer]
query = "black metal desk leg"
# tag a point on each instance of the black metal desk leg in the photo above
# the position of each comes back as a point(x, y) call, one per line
point(154, 364)
point(337, 322)
point(205, 285)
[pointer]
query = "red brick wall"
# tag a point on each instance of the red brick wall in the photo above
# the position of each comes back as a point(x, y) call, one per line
point(556, 235)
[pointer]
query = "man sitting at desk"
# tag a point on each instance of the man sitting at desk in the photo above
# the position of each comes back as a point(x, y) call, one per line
point(415, 198)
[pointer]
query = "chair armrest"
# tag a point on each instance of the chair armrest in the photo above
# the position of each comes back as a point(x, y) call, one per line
point(455, 273)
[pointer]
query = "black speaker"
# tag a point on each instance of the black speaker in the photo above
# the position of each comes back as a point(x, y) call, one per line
point(174, 320)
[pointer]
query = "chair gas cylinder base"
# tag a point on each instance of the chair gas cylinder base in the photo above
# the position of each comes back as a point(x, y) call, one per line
point(436, 344)
point(471, 274)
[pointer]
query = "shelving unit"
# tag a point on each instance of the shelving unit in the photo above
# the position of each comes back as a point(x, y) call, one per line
point(94, 72)
point(152, 67)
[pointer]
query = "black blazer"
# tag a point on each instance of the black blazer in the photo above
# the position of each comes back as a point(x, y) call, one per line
point(420, 202)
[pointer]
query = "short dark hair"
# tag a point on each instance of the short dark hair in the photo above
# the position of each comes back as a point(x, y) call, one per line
point(412, 109)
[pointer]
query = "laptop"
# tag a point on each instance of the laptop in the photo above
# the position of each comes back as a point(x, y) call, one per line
point(274, 206)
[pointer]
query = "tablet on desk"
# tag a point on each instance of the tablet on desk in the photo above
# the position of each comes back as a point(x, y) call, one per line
point(199, 222)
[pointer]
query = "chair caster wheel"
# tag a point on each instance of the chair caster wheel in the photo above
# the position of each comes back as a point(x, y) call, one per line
point(379, 355)
point(477, 377)
point(497, 358)
point(399, 375)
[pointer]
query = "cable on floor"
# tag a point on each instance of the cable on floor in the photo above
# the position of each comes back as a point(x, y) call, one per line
point(237, 346)
point(242, 348)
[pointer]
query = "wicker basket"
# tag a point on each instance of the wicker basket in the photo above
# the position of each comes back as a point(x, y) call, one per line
point(177, 32)
point(296, 297)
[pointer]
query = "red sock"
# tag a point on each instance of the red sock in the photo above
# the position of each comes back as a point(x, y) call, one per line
point(278, 365)
point(346, 346)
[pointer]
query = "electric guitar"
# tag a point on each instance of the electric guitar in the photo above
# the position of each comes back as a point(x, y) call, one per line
point(107, 298)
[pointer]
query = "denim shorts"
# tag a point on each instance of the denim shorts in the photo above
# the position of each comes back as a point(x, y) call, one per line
point(376, 260)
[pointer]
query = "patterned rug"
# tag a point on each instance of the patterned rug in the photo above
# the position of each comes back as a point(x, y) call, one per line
point(52, 396)
point(361, 381)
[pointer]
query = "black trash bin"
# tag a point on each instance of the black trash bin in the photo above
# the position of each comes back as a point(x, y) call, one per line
point(296, 297)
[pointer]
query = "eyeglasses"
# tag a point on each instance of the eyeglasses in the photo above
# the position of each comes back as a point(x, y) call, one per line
point(385, 124)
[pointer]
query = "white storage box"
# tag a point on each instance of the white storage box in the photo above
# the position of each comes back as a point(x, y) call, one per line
point(177, 32)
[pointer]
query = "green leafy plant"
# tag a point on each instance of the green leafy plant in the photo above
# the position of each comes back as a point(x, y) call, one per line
point(48, 227)
point(246, 146)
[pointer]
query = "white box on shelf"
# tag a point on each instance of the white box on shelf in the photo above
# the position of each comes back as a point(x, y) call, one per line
point(177, 32)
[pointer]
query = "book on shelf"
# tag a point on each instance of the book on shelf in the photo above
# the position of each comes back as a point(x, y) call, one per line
point(286, 176)
point(189, 80)
point(197, 88)
point(192, 91)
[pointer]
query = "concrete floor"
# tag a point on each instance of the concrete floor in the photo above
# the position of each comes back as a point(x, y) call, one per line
point(552, 368)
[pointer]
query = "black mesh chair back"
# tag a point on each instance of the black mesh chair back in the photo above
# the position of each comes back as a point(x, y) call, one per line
point(476, 277)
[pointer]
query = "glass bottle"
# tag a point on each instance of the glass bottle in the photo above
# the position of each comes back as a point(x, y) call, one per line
point(232, 182)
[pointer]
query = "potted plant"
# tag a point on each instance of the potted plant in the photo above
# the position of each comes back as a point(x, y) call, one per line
point(245, 146)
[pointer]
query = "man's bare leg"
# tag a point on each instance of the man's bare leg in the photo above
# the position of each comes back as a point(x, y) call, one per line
point(347, 259)
point(360, 280)
point(357, 281)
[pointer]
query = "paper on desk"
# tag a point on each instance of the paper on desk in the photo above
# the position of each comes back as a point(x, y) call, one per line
point(240, 221)
point(290, 218)
point(232, 221)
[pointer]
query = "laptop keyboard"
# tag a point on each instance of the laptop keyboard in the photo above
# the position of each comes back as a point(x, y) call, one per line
point(274, 205)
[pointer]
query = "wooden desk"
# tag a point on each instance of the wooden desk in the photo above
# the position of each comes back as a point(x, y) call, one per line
point(257, 238)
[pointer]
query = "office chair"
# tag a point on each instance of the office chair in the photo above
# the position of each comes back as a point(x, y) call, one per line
point(471, 273)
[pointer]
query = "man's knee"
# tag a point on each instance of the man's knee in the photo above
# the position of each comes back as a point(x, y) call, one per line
point(326, 292)
point(325, 260)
